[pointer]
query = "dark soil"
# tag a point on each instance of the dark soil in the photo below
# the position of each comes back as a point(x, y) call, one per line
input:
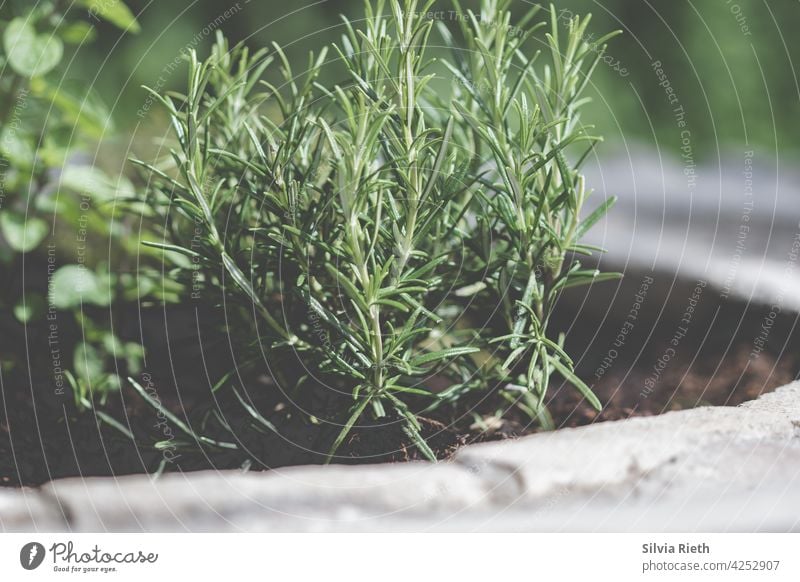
point(722, 357)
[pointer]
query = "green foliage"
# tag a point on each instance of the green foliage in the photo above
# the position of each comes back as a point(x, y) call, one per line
point(114, 11)
point(378, 237)
point(45, 122)
point(22, 235)
point(74, 285)
point(28, 53)
point(99, 352)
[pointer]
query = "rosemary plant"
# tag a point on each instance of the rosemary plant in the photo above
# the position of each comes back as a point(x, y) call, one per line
point(371, 242)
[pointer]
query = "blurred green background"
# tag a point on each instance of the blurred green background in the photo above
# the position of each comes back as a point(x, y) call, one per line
point(731, 62)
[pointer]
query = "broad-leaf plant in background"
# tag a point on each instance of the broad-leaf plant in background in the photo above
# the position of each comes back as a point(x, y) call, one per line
point(54, 202)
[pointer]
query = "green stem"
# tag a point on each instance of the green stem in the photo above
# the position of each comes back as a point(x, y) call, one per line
point(13, 95)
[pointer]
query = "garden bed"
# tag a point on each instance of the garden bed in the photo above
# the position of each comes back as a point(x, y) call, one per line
point(727, 352)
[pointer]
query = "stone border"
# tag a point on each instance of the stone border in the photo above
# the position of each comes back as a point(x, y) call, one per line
point(706, 469)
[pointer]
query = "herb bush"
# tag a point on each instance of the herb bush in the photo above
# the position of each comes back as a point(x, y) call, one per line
point(397, 242)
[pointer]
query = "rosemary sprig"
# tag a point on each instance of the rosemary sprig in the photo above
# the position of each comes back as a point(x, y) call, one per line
point(368, 228)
